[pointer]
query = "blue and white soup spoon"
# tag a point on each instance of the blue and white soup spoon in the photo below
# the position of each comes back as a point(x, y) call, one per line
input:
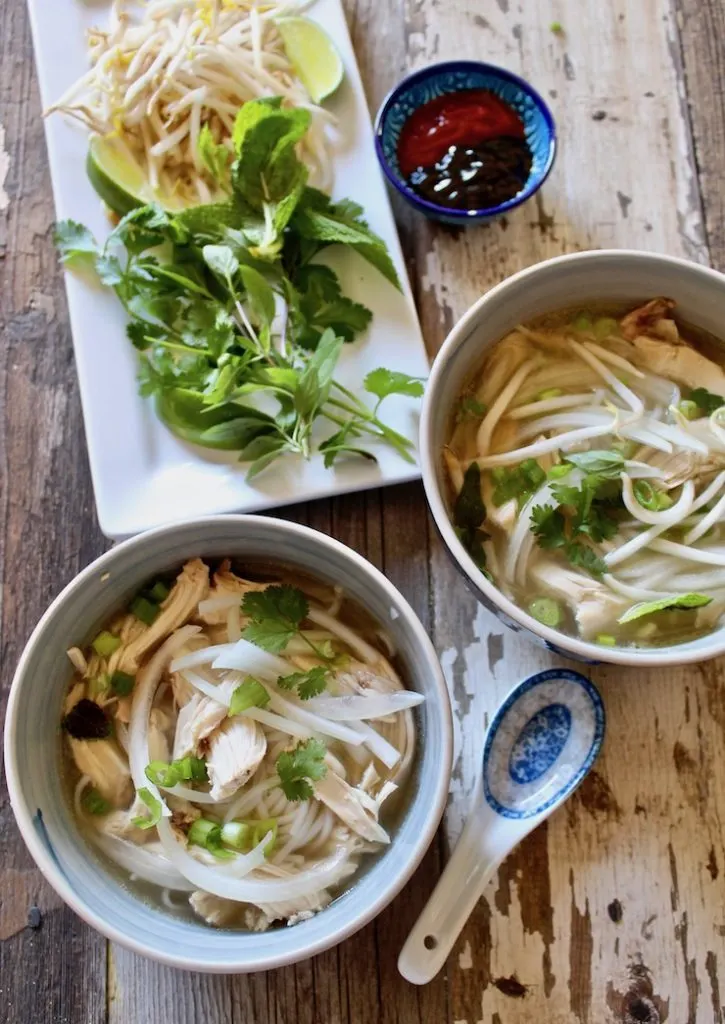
point(541, 743)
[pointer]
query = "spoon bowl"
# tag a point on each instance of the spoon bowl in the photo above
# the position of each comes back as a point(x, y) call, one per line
point(541, 743)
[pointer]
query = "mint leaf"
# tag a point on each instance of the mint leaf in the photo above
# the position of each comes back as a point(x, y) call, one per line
point(606, 464)
point(260, 295)
point(214, 155)
point(706, 400)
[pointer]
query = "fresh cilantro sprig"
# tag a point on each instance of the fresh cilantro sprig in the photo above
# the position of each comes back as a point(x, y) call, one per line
point(584, 511)
point(299, 768)
point(275, 616)
point(307, 684)
point(235, 315)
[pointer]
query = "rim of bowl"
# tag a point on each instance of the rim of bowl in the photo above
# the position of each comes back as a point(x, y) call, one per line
point(582, 649)
point(482, 211)
point(435, 804)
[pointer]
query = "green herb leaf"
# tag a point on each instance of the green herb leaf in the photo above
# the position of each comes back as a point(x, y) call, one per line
point(249, 694)
point(308, 684)
point(215, 156)
point(470, 407)
point(706, 400)
point(122, 683)
point(382, 382)
point(548, 526)
point(154, 806)
point(275, 615)
point(221, 260)
point(329, 222)
point(93, 803)
point(75, 243)
point(606, 464)
point(298, 768)
point(684, 601)
point(519, 482)
point(259, 294)
point(318, 303)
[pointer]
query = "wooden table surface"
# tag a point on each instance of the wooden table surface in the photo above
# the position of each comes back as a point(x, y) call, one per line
point(615, 909)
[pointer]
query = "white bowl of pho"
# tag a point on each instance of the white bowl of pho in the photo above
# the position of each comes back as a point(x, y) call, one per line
point(228, 743)
point(573, 452)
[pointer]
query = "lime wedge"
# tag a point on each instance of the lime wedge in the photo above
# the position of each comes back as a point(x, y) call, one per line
point(118, 179)
point(313, 55)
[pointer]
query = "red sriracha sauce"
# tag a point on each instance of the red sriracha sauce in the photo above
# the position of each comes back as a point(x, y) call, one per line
point(465, 150)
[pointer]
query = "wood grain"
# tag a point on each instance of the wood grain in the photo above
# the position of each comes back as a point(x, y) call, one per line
point(613, 911)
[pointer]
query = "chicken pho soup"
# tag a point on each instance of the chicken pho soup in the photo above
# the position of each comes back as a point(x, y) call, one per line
point(235, 744)
point(586, 464)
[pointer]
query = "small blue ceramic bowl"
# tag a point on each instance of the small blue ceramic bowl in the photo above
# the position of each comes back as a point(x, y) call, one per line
point(455, 76)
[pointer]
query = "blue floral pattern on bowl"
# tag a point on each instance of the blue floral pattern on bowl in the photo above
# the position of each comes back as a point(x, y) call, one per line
point(455, 76)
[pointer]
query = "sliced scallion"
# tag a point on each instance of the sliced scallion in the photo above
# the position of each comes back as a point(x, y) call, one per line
point(159, 592)
point(154, 806)
point(689, 409)
point(546, 611)
point(105, 644)
point(145, 610)
point(122, 683)
point(249, 694)
point(93, 802)
point(606, 640)
point(650, 497)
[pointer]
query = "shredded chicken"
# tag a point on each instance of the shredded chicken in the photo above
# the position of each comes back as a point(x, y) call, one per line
point(351, 805)
point(236, 748)
point(106, 766)
point(653, 319)
point(198, 719)
point(593, 604)
point(192, 586)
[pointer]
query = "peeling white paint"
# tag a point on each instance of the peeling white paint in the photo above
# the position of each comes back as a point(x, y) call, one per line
point(4, 168)
point(465, 959)
point(42, 302)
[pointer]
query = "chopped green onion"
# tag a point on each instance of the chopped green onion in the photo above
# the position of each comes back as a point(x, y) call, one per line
point(185, 769)
point(627, 448)
point(202, 830)
point(159, 592)
point(122, 683)
point(649, 497)
point(249, 694)
point(260, 830)
point(237, 834)
point(606, 640)
point(93, 802)
point(245, 835)
point(209, 835)
point(145, 610)
point(549, 393)
point(546, 611)
point(106, 643)
point(557, 472)
point(689, 409)
point(154, 807)
point(583, 324)
point(605, 327)
point(557, 28)
point(98, 685)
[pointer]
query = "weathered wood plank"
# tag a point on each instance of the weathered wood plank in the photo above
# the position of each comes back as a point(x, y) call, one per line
point(613, 912)
point(52, 967)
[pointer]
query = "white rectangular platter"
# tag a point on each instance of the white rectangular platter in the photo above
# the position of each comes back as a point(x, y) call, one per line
point(142, 475)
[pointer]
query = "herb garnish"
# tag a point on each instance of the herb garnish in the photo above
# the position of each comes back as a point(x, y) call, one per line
point(684, 601)
point(469, 515)
point(298, 768)
point(706, 400)
point(276, 615)
point(238, 332)
point(307, 684)
point(518, 482)
point(583, 511)
point(154, 806)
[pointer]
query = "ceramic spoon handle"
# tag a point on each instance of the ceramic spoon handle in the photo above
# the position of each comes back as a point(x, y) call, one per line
point(459, 888)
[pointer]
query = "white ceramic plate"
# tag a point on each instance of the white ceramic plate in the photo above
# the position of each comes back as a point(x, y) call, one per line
point(142, 475)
